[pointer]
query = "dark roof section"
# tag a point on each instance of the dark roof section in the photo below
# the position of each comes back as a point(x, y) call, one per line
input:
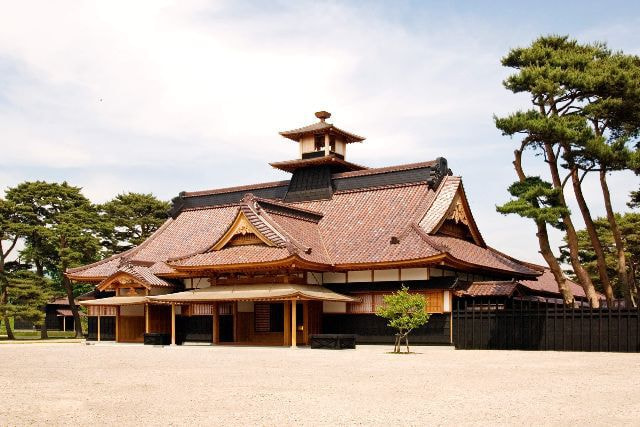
point(272, 206)
point(429, 172)
point(317, 183)
point(312, 183)
point(224, 197)
point(321, 127)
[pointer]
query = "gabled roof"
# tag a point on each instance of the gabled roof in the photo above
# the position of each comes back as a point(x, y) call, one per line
point(135, 274)
point(286, 231)
point(374, 218)
point(450, 202)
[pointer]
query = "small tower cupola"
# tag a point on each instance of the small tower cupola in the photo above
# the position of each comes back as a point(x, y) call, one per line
point(322, 139)
point(322, 153)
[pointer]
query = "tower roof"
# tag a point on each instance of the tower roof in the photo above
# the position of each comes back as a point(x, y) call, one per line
point(321, 127)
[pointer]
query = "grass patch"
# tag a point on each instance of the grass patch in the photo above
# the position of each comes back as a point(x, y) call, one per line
point(35, 335)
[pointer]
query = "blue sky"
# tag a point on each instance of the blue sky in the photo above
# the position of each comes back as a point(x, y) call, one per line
point(159, 96)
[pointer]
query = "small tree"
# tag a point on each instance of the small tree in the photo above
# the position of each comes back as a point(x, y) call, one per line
point(404, 312)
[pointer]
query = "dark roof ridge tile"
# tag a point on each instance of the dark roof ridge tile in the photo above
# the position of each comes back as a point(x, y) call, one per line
point(248, 187)
point(386, 169)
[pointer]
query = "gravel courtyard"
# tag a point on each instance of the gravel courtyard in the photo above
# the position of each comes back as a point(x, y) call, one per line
point(60, 384)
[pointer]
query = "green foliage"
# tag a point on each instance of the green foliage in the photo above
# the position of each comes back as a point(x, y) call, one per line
point(404, 311)
point(131, 218)
point(28, 293)
point(535, 199)
point(629, 225)
point(590, 94)
point(635, 199)
point(59, 226)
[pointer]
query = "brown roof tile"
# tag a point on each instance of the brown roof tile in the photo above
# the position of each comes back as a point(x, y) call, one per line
point(490, 288)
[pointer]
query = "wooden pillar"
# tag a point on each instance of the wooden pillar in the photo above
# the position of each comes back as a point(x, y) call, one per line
point(294, 331)
point(235, 321)
point(327, 145)
point(305, 322)
point(146, 318)
point(98, 323)
point(216, 324)
point(287, 323)
point(64, 323)
point(117, 323)
point(173, 324)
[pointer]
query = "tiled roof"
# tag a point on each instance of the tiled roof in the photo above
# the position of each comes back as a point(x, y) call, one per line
point(547, 283)
point(295, 134)
point(371, 221)
point(441, 203)
point(470, 253)
point(490, 288)
point(141, 274)
point(332, 160)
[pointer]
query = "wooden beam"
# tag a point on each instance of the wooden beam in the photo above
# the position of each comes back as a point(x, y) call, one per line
point(173, 324)
point(287, 323)
point(146, 318)
point(216, 324)
point(294, 331)
point(235, 321)
point(117, 322)
point(305, 322)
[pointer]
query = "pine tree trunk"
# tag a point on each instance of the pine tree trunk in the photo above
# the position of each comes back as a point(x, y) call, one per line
point(617, 238)
point(74, 308)
point(593, 236)
point(43, 328)
point(543, 242)
point(572, 238)
point(4, 295)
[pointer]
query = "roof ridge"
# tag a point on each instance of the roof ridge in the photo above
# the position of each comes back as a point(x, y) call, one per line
point(384, 169)
point(223, 190)
point(262, 201)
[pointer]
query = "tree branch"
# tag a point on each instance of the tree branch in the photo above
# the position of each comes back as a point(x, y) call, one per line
point(11, 246)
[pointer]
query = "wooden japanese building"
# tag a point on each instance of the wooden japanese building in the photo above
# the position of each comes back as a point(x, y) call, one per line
point(275, 262)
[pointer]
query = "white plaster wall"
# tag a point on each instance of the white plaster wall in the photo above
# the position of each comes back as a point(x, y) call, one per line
point(334, 307)
point(333, 277)
point(307, 144)
point(414, 274)
point(314, 278)
point(386, 275)
point(359, 276)
point(196, 283)
point(446, 303)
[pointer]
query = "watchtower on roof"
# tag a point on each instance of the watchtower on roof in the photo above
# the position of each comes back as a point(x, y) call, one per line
point(322, 138)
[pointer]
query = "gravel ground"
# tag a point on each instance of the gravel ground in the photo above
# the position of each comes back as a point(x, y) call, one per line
point(58, 384)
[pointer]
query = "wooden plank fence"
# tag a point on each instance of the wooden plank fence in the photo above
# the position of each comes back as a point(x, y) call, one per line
point(544, 325)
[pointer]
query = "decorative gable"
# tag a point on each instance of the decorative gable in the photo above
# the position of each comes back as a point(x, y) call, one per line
point(242, 232)
point(450, 215)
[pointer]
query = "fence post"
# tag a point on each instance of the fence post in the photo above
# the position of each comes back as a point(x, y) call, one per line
point(497, 322)
point(619, 338)
point(473, 321)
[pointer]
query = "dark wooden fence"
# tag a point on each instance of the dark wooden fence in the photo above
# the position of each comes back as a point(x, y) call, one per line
point(544, 325)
